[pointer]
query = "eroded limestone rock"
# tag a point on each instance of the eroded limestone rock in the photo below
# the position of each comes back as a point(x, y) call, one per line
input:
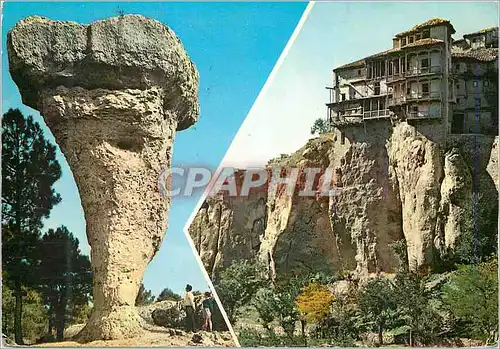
point(113, 93)
point(398, 182)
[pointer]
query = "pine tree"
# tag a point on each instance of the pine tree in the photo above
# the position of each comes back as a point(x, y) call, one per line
point(64, 276)
point(29, 170)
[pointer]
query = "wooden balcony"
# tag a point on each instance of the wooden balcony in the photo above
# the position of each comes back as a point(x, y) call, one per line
point(412, 97)
point(436, 69)
point(423, 115)
point(345, 121)
point(376, 114)
point(420, 71)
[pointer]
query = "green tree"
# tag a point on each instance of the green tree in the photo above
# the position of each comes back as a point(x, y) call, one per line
point(29, 170)
point(144, 297)
point(237, 284)
point(34, 316)
point(377, 303)
point(319, 126)
point(342, 325)
point(263, 302)
point(412, 299)
point(287, 310)
point(79, 313)
point(64, 276)
point(472, 295)
point(168, 295)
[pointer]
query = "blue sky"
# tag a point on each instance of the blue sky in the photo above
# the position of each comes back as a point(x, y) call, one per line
point(334, 33)
point(234, 47)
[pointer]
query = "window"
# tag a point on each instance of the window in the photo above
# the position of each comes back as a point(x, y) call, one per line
point(359, 72)
point(377, 88)
point(458, 86)
point(342, 137)
point(410, 40)
point(403, 42)
point(425, 88)
point(426, 34)
point(343, 96)
point(415, 109)
point(417, 37)
point(424, 63)
point(408, 90)
point(457, 67)
point(486, 83)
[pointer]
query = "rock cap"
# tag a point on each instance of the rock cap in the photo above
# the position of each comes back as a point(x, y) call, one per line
point(124, 52)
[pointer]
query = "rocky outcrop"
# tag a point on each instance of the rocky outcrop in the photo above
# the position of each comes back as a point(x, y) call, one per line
point(171, 314)
point(396, 182)
point(113, 93)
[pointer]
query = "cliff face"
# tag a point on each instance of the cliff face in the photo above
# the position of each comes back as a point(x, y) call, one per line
point(397, 182)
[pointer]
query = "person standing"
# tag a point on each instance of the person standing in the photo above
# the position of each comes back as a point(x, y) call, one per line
point(189, 307)
point(207, 305)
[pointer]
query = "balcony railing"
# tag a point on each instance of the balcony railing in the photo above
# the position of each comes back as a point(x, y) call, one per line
point(424, 115)
point(349, 121)
point(351, 112)
point(424, 70)
point(415, 71)
point(414, 96)
point(375, 114)
point(423, 95)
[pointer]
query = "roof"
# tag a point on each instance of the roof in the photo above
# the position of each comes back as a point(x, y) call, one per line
point(482, 31)
point(427, 24)
point(479, 54)
point(356, 64)
point(424, 42)
point(361, 62)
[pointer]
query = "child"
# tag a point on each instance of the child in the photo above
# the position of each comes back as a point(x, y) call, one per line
point(207, 306)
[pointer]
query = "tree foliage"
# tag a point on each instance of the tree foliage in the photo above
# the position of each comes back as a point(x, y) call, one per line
point(64, 276)
point(314, 302)
point(472, 295)
point(29, 170)
point(237, 284)
point(413, 307)
point(319, 126)
point(168, 295)
point(34, 317)
point(377, 303)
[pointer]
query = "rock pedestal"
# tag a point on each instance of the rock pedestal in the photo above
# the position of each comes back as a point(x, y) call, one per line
point(113, 93)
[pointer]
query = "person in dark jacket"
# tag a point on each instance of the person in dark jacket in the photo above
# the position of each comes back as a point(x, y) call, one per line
point(208, 310)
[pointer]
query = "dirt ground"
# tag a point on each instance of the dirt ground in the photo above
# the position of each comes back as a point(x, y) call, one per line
point(158, 337)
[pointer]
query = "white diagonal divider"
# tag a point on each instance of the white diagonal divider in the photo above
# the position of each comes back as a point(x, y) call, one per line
point(208, 189)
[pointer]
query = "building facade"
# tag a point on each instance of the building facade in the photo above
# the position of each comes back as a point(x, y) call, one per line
point(425, 77)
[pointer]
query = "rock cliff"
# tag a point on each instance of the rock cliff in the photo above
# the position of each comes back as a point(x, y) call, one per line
point(113, 93)
point(397, 182)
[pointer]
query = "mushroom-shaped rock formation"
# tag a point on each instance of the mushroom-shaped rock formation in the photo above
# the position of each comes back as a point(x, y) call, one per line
point(113, 94)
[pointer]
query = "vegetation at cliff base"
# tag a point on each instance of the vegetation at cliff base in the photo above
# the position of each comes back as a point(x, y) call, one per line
point(408, 308)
